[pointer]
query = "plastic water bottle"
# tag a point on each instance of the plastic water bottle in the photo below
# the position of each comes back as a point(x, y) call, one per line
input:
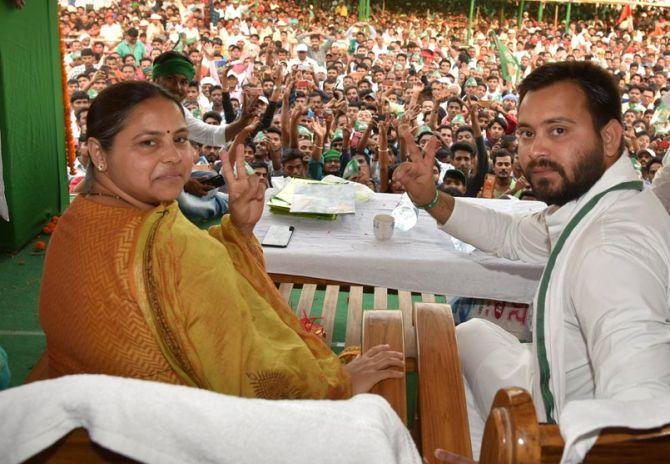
point(405, 213)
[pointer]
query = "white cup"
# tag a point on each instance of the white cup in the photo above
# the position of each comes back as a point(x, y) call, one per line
point(382, 225)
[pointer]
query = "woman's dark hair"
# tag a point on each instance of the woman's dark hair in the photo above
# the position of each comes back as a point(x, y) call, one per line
point(110, 109)
point(600, 88)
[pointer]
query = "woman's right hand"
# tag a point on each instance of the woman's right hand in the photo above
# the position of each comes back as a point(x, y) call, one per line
point(377, 364)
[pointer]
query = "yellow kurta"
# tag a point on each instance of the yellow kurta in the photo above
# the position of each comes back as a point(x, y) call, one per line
point(149, 295)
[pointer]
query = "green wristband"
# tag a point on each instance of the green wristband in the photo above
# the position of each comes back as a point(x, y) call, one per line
point(432, 204)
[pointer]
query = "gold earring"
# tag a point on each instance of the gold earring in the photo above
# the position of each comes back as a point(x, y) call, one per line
point(101, 167)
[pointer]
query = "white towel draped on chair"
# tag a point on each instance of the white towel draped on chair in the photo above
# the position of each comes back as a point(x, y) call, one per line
point(160, 423)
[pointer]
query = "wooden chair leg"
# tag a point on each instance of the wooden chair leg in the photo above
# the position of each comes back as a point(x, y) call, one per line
point(385, 327)
point(442, 406)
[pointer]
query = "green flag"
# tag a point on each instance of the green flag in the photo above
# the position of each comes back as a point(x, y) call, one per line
point(661, 116)
point(509, 65)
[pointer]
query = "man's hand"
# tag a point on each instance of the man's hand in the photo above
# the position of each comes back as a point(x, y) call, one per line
point(452, 458)
point(377, 364)
point(417, 176)
point(196, 188)
point(246, 194)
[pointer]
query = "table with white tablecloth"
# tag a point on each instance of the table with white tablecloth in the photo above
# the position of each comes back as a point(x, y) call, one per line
point(422, 259)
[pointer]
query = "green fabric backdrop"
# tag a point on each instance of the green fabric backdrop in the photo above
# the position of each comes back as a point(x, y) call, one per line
point(31, 119)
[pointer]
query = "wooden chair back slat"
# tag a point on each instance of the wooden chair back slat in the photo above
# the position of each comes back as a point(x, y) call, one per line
point(407, 309)
point(444, 416)
point(380, 298)
point(306, 299)
point(427, 298)
point(354, 316)
point(285, 290)
point(328, 312)
point(386, 327)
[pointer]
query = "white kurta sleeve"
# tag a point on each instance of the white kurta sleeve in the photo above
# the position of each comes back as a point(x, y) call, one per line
point(206, 134)
point(623, 314)
point(521, 237)
point(661, 184)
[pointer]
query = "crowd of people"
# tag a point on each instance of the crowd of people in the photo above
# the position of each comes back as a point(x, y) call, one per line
point(322, 93)
point(402, 103)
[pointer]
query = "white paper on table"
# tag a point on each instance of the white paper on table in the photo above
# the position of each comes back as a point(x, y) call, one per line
point(323, 198)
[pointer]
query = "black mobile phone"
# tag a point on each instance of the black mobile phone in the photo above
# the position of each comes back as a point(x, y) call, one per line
point(216, 181)
point(278, 236)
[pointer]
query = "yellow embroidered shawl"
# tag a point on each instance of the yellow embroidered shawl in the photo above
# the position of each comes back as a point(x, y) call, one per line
point(218, 319)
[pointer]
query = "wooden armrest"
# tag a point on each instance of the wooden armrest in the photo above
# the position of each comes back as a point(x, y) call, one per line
point(386, 327)
point(511, 421)
point(442, 406)
point(513, 435)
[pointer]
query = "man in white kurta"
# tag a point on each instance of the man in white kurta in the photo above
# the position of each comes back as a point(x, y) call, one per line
point(600, 316)
point(610, 285)
point(661, 183)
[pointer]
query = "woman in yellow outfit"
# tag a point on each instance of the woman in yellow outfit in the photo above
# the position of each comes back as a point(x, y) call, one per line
point(131, 288)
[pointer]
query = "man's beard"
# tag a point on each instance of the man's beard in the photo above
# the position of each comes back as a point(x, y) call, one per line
point(589, 168)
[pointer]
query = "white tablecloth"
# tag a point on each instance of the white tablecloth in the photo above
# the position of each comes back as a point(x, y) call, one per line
point(423, 259)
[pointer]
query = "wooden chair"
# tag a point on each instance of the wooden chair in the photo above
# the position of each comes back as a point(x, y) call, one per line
point(425, 332)
point(443, 418)
point(513, 436)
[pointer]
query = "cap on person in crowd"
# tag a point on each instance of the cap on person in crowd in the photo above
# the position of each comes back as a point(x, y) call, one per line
point(455, 174)
point(305, 133)
point(511, 96)
point(423, 130)
point(171, 63)
point(207, 80)
point(301, 48)
point(331, 154)
point(156, 17)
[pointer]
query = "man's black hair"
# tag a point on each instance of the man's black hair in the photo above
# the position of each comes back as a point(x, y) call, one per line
point(290, 154)
point(79, 95)
point(462, 146)
point(464, 129)
point(600, 89)
point(213, 115)
point(501, 153)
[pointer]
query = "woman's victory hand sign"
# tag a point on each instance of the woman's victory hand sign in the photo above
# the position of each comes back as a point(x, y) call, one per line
point(246, 193)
